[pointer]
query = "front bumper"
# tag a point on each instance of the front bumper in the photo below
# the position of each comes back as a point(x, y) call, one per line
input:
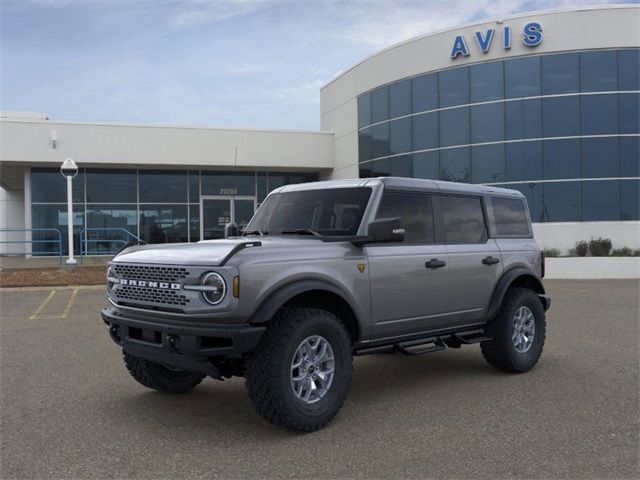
point(181, 345)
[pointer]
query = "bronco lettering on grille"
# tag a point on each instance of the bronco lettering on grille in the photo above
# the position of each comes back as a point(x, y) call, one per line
point(150, 284)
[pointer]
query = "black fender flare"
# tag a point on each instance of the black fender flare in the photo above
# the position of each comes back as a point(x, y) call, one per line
point(282, 295)
point(507, 279)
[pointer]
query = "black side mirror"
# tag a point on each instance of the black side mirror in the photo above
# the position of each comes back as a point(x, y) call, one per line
point(231, 230)
point(386, 230)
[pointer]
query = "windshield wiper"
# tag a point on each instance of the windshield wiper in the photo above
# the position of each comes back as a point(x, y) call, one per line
point(255, 232)
point(302, 231)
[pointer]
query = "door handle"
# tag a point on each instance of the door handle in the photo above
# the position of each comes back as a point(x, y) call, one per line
point(435, 263)
point(490, 260)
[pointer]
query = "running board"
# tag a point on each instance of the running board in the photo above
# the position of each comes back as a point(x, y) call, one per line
point(419, 347)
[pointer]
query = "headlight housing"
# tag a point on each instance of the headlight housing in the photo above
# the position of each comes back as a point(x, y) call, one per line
point(216, 288)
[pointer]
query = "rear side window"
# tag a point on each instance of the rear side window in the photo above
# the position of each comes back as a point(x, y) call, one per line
point(415, 211)
point(463, 219)
point(510, 217)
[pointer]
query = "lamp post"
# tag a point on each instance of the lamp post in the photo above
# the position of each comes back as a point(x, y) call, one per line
point(69, 169)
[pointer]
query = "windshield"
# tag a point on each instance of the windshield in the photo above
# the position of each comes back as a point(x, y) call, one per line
point(327, 212)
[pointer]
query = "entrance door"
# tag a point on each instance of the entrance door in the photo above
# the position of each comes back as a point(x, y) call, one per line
point(217, 211)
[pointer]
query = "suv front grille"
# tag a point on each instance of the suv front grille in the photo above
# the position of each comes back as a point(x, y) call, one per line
point(150, 295)
point(148, 272)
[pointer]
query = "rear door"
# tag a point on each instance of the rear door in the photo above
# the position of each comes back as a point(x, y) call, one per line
point(475, 264)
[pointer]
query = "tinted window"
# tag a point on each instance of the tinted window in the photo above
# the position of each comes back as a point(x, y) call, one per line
point(463, 219)
point(424, 90)
point(48, 185)
point(380, 168)
point(598, 71)
point(561, 159)
point(510, 216)
point(163, 186)
point(365, 145)
point(524, 161)
point(629, 200)
point(600, 157)
point(364, 110)
point(487, 123)
point(487, 82)
point(600, 201)
point(415, 211)
point(426, 165)
point(630, 156)
point(425, 131)
point(454, 127)
point(380, 105)
point(487, 164)
point(400, 166)
point(454, 165)
point(599, 114)
point(400, 135)
point(522, 77)
point(400, 99)
point(560, 73)
point(164, 223)
point(629, 112)
point(194, 187)
point(380, 140)
point(109, 186)
point(53, 216)
point(523, 119)
point(561, 116)
point(629, 70)
point(533, 193)
point(562, 202)
point(219, 183)
point(454, 87)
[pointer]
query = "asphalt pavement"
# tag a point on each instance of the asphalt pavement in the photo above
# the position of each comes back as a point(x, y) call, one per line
point(69, 409)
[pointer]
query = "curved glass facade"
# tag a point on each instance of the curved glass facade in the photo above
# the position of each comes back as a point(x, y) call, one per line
point(561, 128)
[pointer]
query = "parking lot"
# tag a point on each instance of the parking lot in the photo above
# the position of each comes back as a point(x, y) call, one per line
point(70, 409)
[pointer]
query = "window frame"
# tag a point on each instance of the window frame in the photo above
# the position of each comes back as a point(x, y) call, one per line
point(433, 201)
point(483, 207)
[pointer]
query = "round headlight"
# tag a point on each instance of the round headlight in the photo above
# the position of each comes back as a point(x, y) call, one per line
point(215, 288)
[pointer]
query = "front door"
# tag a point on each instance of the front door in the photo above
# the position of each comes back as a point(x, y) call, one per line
point(217, 211)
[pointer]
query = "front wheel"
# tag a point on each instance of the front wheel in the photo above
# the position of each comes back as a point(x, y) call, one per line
point(517, 333)
point(300, 373)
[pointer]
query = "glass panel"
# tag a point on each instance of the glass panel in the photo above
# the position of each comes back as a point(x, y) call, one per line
point(424, 92)
point(487, 164)
point(400, 99)
point(487, 123)
point(262, 186)
point(415, 211)
point(629, 113)
point(599, 114)
point(524, 161)
point(365, 145)
point(48, 185)
point(426, 165)
point(400, 166)
point(600, 201)
point(454, 127)
point(243, 211)
point(600, 157)
point(562, 202)
point(425, 131)
point(380, 168)
point(487, 82)
point(533, 194)
point(561, 116)
point(364, 110)
point(454, 87)
point(560, 73)
point(277, 180)
point(380, 140)
point(463, 219)
point(599, 71)
point(630, 200)
point(630, 156)
point(215, 215)
point(454, 165)
point(228, 183)
point(380, 105)
point(163, 186)
point(510, 216)
point(400, 135)
point(115, 219)
point(522, 77)
point(163, 223)
point(112, 186)
point(562, 159)
point(523, 119)
point(194, 186)
point(194, 222)
point(53, 216)
point(629, 70)
point(365, 170)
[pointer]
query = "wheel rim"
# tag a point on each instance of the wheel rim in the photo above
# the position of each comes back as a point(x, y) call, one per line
point(524, 326)
point(312, 369)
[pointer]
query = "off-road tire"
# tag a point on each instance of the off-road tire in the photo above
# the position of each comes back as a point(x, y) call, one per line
point(157, 377)
point(500, 352)
point(268, 372)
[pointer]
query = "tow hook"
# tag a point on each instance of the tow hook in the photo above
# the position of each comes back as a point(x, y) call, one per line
point(173, 344)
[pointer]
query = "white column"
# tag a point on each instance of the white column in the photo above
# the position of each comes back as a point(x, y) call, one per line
point(70, 260)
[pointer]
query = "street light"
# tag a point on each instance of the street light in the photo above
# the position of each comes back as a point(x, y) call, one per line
point(69, 169)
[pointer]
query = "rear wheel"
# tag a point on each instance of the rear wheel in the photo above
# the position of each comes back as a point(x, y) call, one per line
point(517, 333)
point(158, 377)
point(300, 373)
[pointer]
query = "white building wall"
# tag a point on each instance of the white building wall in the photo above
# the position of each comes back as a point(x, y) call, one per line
point(11, 216)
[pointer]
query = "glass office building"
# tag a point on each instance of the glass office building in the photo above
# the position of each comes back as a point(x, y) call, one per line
point(561, 128)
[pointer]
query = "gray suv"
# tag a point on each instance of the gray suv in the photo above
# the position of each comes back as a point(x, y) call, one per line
point(325, 271)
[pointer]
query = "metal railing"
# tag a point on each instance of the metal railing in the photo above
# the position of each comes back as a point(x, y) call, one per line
point(31, 241)
point(129, 238)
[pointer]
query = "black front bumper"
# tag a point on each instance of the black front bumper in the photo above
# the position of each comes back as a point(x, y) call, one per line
point(185, 346)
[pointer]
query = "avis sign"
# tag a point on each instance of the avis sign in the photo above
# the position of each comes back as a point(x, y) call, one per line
point(531, 37)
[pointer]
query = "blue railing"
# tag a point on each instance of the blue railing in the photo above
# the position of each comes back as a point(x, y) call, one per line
point(128, 239)
point(57, 240)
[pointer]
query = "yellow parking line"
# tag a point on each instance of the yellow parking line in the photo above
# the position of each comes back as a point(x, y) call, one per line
point(42, 305)
point(70, 303)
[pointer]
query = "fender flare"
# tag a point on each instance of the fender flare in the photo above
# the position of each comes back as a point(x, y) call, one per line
point(282, 295)
point(507, 279)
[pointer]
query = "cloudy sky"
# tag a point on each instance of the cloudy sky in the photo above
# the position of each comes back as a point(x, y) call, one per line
point(250, 63)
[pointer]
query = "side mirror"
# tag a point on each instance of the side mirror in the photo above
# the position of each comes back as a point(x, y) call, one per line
point(231, 230)
point(386, 230)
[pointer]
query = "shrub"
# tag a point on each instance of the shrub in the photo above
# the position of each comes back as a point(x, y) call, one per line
point(636, 253)
point(622, 252)
point(551, 252)
point(582, 248)
point(600, 247)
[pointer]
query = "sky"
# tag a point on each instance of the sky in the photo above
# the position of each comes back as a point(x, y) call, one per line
point(243, 63)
